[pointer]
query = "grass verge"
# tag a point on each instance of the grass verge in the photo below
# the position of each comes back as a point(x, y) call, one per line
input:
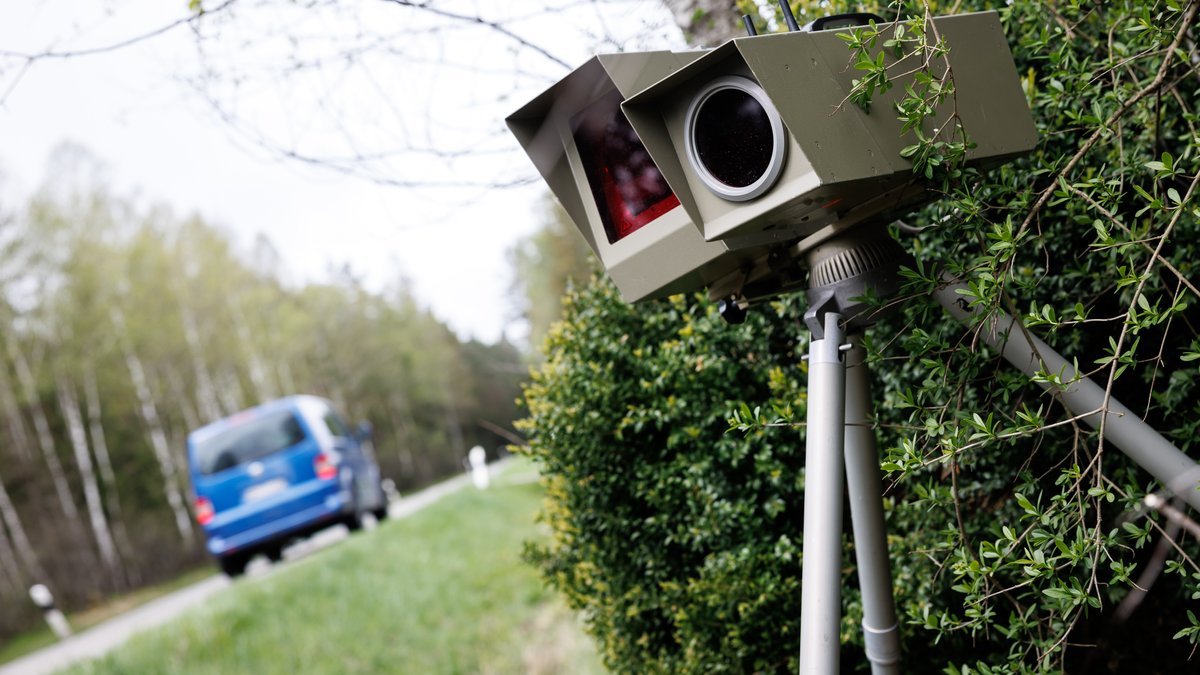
point(443, 591)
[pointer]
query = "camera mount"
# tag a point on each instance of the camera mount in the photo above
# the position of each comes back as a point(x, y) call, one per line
point(840, 451)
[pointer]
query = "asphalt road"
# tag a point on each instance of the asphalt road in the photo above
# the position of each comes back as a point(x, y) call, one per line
point(99, 639)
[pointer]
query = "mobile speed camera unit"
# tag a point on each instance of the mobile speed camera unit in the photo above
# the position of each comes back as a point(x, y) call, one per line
point(744, 169)
point(725, 170)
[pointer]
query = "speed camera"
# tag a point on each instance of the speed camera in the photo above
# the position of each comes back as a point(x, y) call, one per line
point(760, 143)
point(722, 169)
point(599, 169)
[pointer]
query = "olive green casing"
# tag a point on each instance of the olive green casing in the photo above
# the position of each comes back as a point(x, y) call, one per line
point(841, 162)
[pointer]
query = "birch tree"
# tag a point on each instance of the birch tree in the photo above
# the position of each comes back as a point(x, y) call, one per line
point(112, 495)
point(41, 426)
point(156, 432)
point(10, 572)
point(206, 390)
point(256, 364)
point(17, 429)
point(21, 547)
point(68, 403)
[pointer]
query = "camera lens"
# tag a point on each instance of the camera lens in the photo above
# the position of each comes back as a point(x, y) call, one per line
point(735, 138)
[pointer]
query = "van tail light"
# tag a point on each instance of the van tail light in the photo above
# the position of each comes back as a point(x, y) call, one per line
point(204, 511)
point(326, 466)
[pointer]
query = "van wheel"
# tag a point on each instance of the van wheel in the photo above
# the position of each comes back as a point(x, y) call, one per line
point(354, 521)
point(274, 553)
point(233, 565)
point(381, 513)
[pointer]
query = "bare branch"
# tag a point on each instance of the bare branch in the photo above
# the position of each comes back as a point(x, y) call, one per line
point(49, 54)
point(427, 6)
point(128, 42)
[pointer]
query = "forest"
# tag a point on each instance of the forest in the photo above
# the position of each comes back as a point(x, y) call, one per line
point(126, 326)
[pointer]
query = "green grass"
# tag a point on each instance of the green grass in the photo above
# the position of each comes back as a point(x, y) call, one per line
point(443, 591)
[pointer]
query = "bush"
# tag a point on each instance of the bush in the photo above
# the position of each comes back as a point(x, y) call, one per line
point(673, 536)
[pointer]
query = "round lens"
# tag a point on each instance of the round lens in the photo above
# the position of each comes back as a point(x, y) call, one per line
point(733, 137)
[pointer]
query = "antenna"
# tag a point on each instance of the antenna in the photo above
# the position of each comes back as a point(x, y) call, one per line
point(788, 16)
point(749, 24)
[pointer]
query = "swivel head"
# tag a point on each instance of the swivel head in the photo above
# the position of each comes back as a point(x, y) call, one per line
point(846, 273)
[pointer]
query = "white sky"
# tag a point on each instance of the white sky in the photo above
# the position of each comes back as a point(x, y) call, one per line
point(139, 111)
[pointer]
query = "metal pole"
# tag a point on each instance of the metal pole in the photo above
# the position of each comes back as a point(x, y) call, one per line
point(821, 578)
point(1122, 427)
point(865, 489)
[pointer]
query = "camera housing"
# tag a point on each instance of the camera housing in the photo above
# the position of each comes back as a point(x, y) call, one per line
point(584, 147)
point(759, 141)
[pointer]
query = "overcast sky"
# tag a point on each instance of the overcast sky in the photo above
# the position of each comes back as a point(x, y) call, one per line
point(142, 111)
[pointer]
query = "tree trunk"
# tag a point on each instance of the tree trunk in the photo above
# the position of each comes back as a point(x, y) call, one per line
point(45, 440)
point(258, 372)
point(10, 571)
point(20, 542)
point(206, 393)
point(454, 426)
point(16, 423)
point(403, 426)
point(9, 520)
point(158, 437)
point(69, 404)
point(112, 495)
point(283, 372)
point(229, 392)
point(190, 418)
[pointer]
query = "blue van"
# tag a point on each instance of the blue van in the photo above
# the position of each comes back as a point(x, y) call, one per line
point(276, 472)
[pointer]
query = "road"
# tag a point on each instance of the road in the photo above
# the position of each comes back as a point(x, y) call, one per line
point(99, 639)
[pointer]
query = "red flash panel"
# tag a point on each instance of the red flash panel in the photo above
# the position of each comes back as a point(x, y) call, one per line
point(628, 188)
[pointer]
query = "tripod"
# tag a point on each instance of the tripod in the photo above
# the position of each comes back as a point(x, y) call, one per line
point(840, 444)
point(839, 407)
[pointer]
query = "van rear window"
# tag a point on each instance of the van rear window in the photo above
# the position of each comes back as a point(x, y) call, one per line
point(247, 441)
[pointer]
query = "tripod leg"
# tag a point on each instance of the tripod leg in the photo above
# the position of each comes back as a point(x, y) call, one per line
point(866, 512)
point(1122, 427)
point(821, 578)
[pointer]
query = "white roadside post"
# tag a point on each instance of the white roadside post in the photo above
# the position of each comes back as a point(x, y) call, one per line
point(44, 599)
point(477, 456)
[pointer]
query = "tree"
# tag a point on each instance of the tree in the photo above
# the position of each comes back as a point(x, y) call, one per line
point(547, 263)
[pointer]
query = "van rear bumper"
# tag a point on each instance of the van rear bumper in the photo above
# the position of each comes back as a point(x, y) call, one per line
point(282, 521)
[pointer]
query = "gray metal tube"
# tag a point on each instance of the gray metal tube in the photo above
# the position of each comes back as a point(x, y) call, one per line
point(865, 489)
point(1122, 427)
point(821, 578)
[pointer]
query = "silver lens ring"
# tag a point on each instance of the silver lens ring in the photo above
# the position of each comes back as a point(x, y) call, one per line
point(735, 138)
